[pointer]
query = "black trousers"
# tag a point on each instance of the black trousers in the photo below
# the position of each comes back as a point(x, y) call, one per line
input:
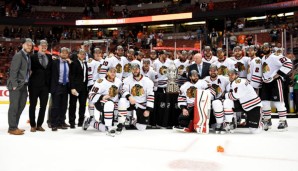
point(73, 106)
point(59, 106)
point(35, 93)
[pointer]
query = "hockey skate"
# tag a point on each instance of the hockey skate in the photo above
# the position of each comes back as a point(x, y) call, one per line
point(257, 130)
point(86, 123)
point(228, 127)
point(110, 132)
point(267, 124)
point(282, 125)
point(119, 128)
point(218, 128)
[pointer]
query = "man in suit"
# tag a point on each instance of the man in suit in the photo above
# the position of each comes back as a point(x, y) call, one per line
point(78, 79)
point(39, 84)
point(17, 85)
point(201, 67)
point(60, 89)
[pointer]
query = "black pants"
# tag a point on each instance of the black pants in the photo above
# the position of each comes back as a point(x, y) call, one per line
point(59, 106)
point(254, 117)
point(184, 120)
point(73, 106)
point(43, 94)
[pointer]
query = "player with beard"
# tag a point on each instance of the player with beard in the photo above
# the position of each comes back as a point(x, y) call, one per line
point(218, 84)
point(275, 69)
point(240, 89)
point(241, 62)
point(208, 56)
point(186, 101)
point(115, 61)
point(153, 57)
point(105, 96)
point(254, 72)
point(182, 63)
point(138, 97)
point(147, 71)
point(127, 62)
point(223, 63)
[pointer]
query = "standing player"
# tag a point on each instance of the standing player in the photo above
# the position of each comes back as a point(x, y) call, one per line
point(275, 69)
point(223, 63)
point(241, 62)
point(147, 71)
point(208, 56)
point(105, 96)
point(137, 96)
point(182, 63)
point(254, 71)
point(127, 63)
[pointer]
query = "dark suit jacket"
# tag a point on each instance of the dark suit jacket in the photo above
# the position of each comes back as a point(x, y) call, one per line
point(18, 70)
point(40, 76)
point(205, 69)
point(55, 71)
point(76, 76)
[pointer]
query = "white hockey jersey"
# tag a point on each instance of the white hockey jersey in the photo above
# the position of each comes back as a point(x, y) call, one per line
point(141, 90)
point(224, 65)
point(161, 69)
point(254, 72)
point(104, 87)
point(273, 65)
point(127, 64)
point(218, 86)
point(94, 68)
point(241, 65)
point(152, 75)
point(211, 60)
point(181, 69)
point(113, 62)
point(241, 90)
point(188, 93)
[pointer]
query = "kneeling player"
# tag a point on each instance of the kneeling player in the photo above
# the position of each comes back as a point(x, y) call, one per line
point(186, 101)
point(137, 97)
point(104, 95)
point(241, 90)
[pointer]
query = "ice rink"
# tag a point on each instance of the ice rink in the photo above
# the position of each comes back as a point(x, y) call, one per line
point(151, 150)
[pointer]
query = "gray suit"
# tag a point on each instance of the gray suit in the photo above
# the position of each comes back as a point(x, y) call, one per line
point(18, 77)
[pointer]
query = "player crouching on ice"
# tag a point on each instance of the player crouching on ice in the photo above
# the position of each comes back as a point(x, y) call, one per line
point(186, 102)
point(240, 89)
point(105, 96)
point(137, 97)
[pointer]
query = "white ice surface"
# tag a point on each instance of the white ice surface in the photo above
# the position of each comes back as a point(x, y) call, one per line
point(151, 150)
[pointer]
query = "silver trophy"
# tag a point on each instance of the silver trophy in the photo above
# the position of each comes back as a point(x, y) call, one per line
point(172, 86)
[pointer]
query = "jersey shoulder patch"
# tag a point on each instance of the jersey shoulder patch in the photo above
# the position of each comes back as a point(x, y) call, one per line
point(99, 80)
point(237, 81)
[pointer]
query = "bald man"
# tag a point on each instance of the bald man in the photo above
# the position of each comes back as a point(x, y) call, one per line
point(201, 67)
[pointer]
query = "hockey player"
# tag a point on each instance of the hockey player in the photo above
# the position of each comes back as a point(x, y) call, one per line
point(137, 96)
point(182, 63)
point(105, 96)
point(153, 57)
point(115, 61)
point(208, 56)
point(241, 62)
point(186, 101)
point(94, 70)
point(240, 89)
point(147, 71)
point(275, 69)
point(223, 63)
point(218, 84)
point(254, 71)
point(127, 63)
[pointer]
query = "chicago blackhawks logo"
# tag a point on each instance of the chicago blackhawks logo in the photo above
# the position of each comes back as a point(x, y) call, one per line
point(217, 89)
point(90, 60)
point(163, 70)
point(99, 80)
point(127, 67)
point(240, 66)
point(137, 90)
point(237, 81)
point(180, 69)
point(119, 68)
point(191, 92)
point(222, 70)
point(265, 67)
point(258, 61)
point(113, 91)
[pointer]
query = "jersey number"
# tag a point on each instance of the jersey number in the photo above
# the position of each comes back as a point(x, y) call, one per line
point(105, 63)
point(95, 89)
point(283, 59)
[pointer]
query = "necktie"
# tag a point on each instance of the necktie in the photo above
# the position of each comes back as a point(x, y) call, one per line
point(200, 70)
point(64, 74)
point(43, 61)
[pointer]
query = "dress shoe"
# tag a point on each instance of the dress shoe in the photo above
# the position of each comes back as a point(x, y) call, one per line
point(54, 129)
point(72, 126)
point(39, 128)
point(80, 124)
point(15, 132)
point(65, 125)
point(62, 127)
point(33, 129)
